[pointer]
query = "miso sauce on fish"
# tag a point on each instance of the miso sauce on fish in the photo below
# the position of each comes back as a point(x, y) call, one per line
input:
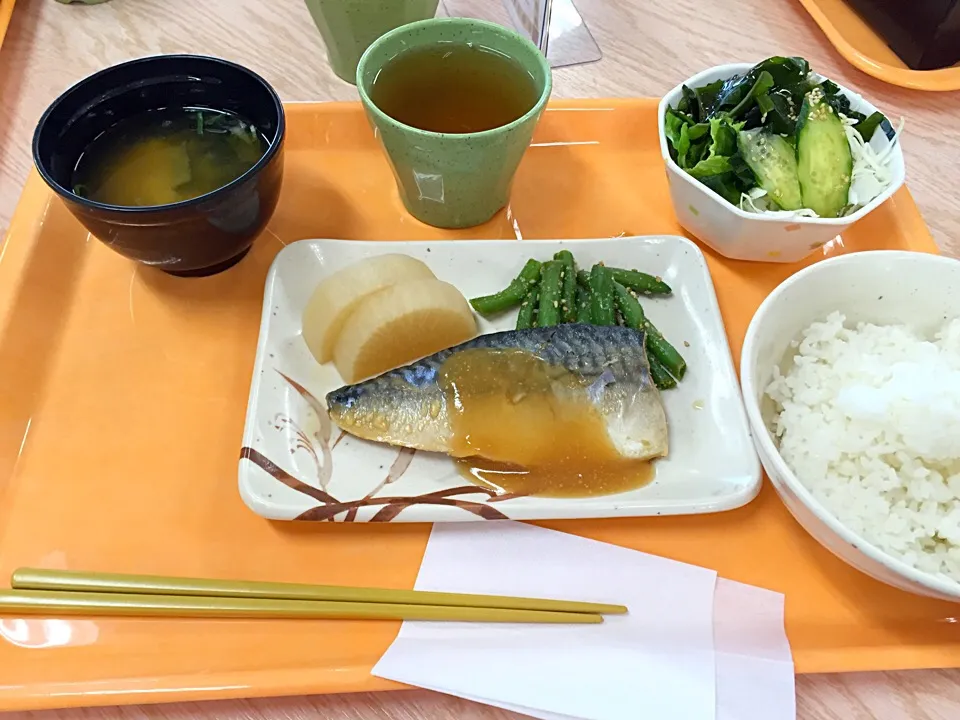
point(567, 411)
point(522, 426)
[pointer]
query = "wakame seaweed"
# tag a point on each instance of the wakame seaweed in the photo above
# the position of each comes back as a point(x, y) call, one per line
point(702, 130)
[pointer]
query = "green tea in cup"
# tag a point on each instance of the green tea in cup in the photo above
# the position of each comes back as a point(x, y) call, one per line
point(456, 89)
point(455, 102)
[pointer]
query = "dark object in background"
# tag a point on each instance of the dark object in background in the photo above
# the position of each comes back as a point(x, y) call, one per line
point(201, 236)
point(925, 34)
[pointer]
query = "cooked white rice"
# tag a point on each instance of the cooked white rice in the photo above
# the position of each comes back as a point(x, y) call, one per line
point(869, 421)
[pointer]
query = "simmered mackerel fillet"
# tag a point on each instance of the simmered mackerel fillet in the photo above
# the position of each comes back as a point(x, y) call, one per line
point(523, 388)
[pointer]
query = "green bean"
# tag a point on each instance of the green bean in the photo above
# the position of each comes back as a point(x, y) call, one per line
point(583, 305)
point(628, 306)
point(657, 345)
point(568, 297)
point(551, 287)
point(601, 297)
point(512, 295)
point(665, 352)
point(661, 378)
point(527, 317)
point(640, 282)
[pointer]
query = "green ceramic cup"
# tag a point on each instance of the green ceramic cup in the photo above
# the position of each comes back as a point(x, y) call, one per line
point(454, 180)
point(349, 26)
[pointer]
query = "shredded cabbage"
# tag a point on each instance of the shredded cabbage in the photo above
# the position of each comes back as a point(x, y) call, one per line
point(755, 201)
point(871, 169)
point(871, 175)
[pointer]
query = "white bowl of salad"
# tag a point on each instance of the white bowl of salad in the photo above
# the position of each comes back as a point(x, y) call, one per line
point(769, 162)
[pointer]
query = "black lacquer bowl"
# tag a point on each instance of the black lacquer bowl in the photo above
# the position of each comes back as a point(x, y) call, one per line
point(201, 236)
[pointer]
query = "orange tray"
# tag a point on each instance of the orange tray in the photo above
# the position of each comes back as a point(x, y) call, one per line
point(6, 12)
point(124, 392)
point(856, 41)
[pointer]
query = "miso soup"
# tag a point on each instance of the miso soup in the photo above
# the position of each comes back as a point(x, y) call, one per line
point(167, 156)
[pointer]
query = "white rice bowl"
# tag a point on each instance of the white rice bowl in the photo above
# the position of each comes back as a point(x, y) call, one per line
point(868, 419)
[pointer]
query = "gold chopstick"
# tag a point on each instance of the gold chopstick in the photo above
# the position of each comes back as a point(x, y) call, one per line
point(56, 603)
point(39, 579)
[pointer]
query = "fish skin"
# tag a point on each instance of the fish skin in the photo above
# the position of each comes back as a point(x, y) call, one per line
point(407, 407)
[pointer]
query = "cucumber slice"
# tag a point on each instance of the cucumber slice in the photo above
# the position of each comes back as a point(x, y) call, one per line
point(824, 160)
point(774, 161)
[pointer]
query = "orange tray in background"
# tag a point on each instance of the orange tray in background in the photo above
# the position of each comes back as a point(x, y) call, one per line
point(6, 12)
point(857, 42)
point(124, 393)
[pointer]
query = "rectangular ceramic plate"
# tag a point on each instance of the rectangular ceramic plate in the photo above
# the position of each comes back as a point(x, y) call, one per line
point(124, 393)
point(289, 454)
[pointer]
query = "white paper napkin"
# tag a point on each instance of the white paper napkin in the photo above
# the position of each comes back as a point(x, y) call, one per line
point(694, 646)
point(656, 662)
point(755, 676)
